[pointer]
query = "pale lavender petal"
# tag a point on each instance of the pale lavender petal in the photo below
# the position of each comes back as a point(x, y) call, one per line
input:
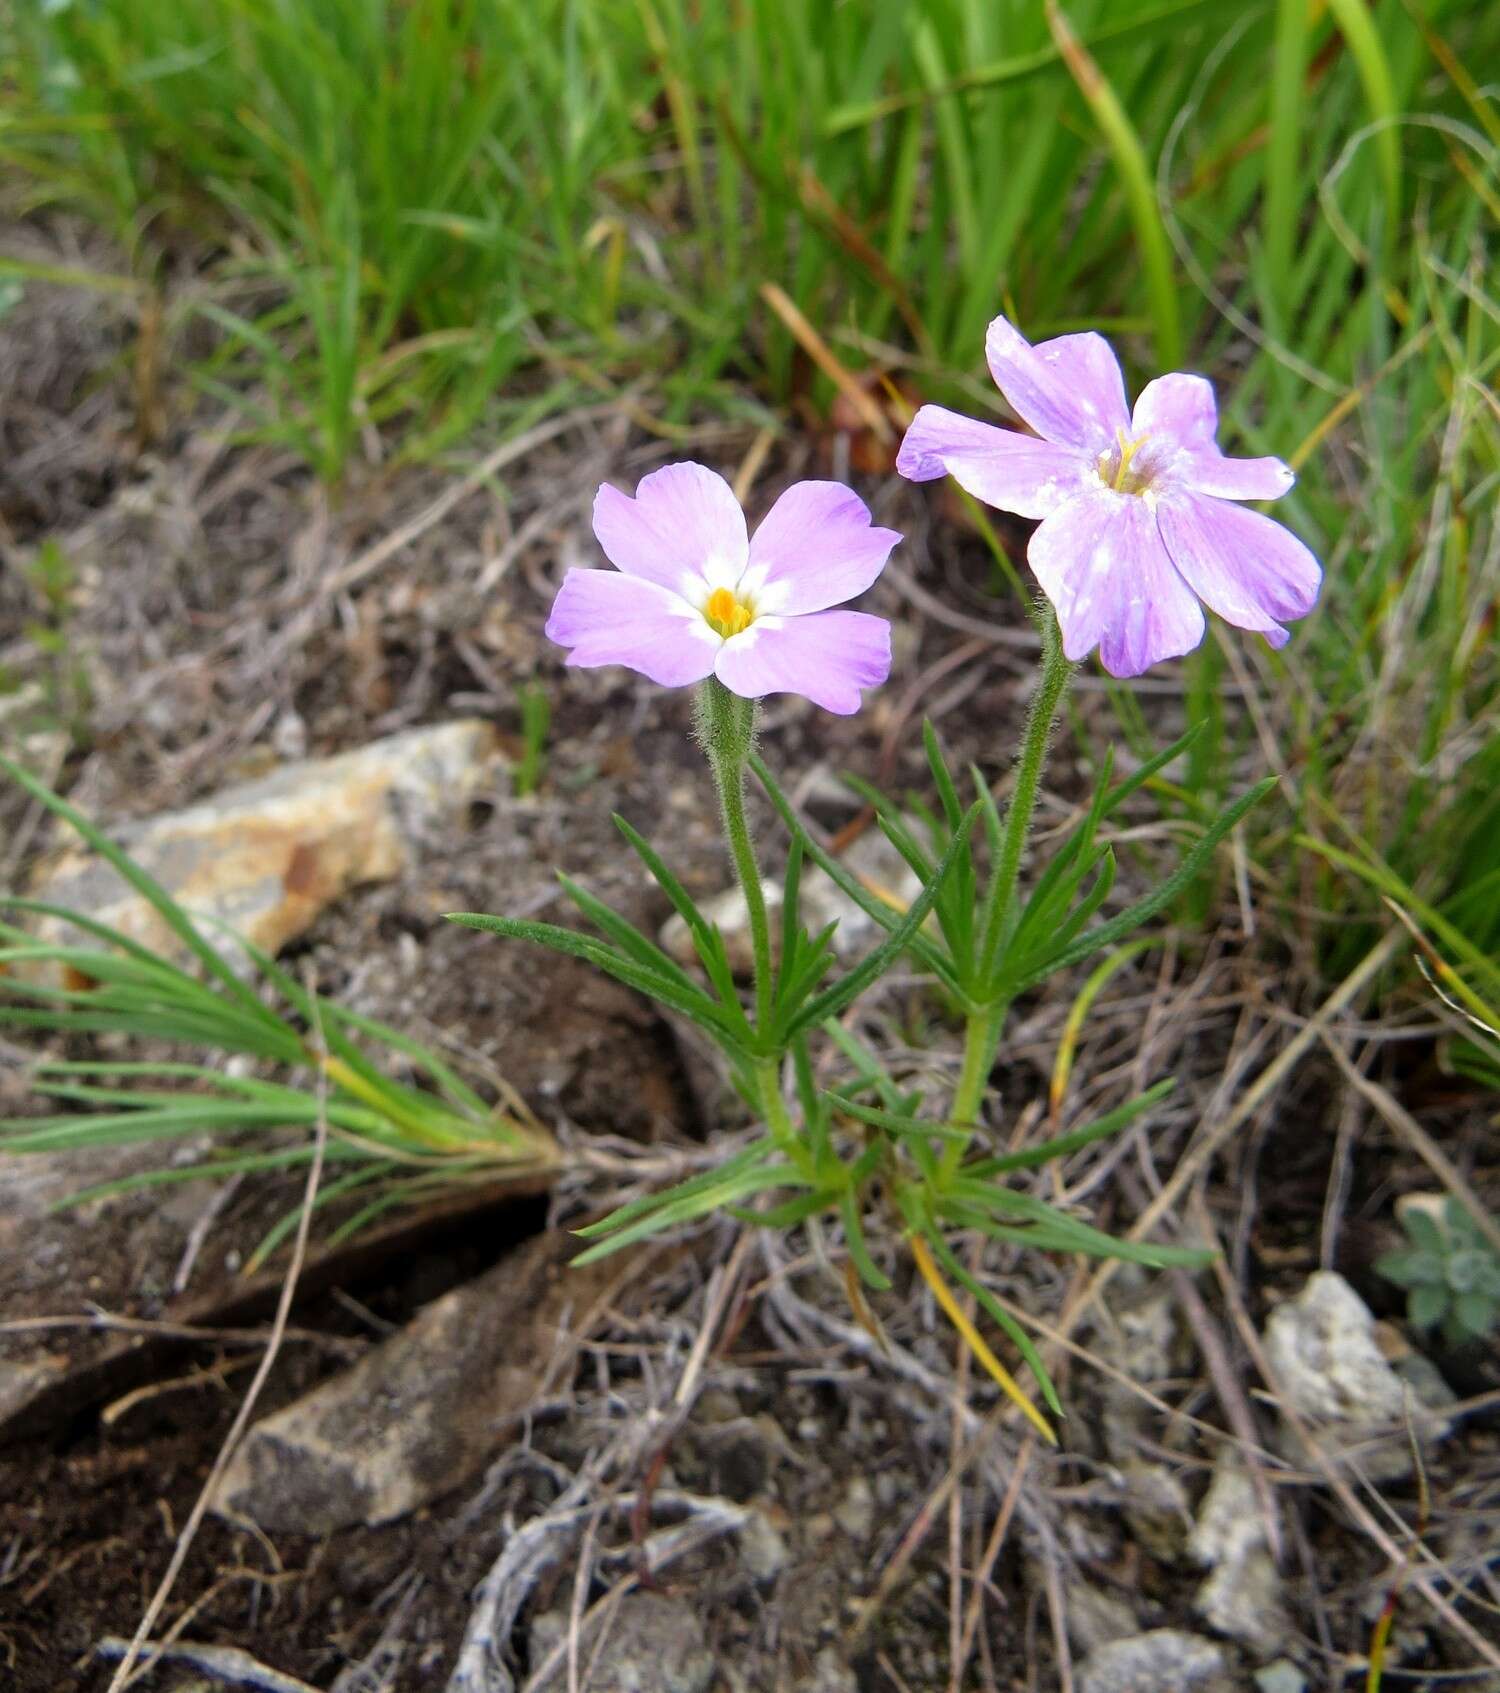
point(1069, 390)
point(607, 617)
point(1102, 564)
point(827, 657)
point(683, 527)
point(1178, 408)
point(1012, 472)
point(1246, 567)
point(1179, 415)
point(815, 548)
point(1232, 479)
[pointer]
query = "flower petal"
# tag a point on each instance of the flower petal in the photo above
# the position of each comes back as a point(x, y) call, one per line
point(1232, 479)
point(827, 657)
point(1013, 472)
point(1177, 408)
point(1069, 390)
point(1101, 562)
point(607, 617)
point(815, 548)
point(684, 529)
point(1248, 568)
point(1179, 414)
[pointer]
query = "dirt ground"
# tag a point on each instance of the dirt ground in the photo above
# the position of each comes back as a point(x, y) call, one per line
point(886, 1522)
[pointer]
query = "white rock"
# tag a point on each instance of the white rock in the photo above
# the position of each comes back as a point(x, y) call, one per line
point(1166, 1660)
point(1323, 1354)
point(1242, 1595)
point(830, 1674)
point(728, 912)
point(1281, 1677)
point(763, 1550)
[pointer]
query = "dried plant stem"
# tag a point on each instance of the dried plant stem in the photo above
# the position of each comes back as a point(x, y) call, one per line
point(1260, 1090)
point(975, 1341)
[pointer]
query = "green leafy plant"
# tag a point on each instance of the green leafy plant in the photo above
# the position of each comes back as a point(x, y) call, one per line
point(861, 1145)
point(391, 1142)
point(1450, 1271)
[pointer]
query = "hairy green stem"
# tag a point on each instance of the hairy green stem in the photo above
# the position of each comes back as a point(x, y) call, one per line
point(987, 1019)
point(773, 1109)
point(981, 1041)
point(727, 729)
point(1055, 673)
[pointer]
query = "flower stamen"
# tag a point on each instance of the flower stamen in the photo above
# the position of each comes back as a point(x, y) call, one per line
point(1119, 475)
point(726, 614)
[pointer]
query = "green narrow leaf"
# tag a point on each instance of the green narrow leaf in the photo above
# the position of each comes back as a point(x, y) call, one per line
point(1133, 916)
point(881, 913)
point(834, 999)
point(1063, 1145)
point(145, 885)
point(870, 1273)
point(998, 1314)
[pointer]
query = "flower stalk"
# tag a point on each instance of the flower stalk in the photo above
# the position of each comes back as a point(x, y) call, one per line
point(987, 1019)
point(1029, 767)
point(726, 727)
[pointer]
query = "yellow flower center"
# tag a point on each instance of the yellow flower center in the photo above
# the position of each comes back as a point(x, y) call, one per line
point(727, 614)
point(1115, 467)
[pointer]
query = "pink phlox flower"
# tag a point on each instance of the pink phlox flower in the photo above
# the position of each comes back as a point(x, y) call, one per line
point(692, 595)
point(1138, 517)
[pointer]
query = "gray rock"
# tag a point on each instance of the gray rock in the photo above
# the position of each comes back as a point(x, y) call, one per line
point(1141, 1337)
point(1146, 1337)
point(1242, 1595)
point(1323, 1353)
point(1166, 1660)
point(420, 1414)
point(649, 1643)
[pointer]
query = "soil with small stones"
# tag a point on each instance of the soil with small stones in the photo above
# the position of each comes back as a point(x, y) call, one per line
point(204, 643)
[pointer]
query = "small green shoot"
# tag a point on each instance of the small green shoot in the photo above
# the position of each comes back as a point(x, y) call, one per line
point(536, 719)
